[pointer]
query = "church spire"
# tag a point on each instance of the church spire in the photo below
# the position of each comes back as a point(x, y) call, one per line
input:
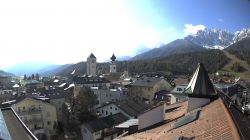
point(200, 84)
point(113, 57)
point(200, 89)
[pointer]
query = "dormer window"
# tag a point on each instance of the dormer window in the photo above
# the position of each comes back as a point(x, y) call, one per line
point(179, 89)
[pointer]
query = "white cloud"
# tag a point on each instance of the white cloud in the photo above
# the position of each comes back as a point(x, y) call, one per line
point(192, 29)
point(152, 37)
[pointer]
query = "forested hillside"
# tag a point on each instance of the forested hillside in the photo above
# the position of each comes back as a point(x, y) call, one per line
point(177, 64)
point(241, 49)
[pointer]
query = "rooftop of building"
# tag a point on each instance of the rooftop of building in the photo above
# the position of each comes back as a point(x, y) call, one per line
point(15, 128)
point(200, 85)
point(213, 122)
point(146, 81)
point(218, 119)
point(89, 80)
point(91, 56)
point(180, 81)
point(113, 57)
point(105, 122)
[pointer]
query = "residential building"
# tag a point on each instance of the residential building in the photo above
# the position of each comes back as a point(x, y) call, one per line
point(34, 84)
point(40, 117)
point(105, 96)
point(102, 128)
point(57, 99)
point(129, 108)
point(101, 83)
point(91, 65)
point(5, 95)
point(179, 89)
point(12, 127)
point(208, 114)
point(170, 97)
point(144, 88)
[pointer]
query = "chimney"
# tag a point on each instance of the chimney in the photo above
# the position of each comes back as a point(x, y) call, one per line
point(200, 89)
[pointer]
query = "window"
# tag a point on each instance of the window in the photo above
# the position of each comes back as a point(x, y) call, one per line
point(48, 114)
point(111, 107)
point(85, 130)
point(48, 122)
point(110, 113)
point(24, 108)
point(97, 133)
point(115, 108)
point(102, 111)
point(179, 89)
point(106, 112)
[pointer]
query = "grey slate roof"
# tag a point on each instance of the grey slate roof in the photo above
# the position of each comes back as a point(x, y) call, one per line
point(113, 57)
point(133, 108)
point(200, 84)
point(146, 81)
point(89, 80)
point(16, 129)
point(92, 55)
point(105, 122)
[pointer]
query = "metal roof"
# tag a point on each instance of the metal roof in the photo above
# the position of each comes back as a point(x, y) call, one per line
point(4, 132)
point(92, 55)
point(200, 84)
point(128, 123)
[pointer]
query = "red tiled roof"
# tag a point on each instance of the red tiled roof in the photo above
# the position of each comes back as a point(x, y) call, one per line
point(214, 122)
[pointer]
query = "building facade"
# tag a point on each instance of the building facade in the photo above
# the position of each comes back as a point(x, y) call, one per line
point(144, 89)
point(39, 117)
point(91, 65)
point(113, 64)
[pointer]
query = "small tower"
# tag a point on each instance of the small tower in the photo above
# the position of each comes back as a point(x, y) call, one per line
point(113, 64)
point(91, 65)
point(200, 89)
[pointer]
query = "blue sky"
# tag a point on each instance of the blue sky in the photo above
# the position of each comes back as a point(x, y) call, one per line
point(60, 31)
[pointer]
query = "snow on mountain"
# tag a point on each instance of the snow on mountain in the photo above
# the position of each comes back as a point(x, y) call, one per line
point(212, 38)
point(239, 35)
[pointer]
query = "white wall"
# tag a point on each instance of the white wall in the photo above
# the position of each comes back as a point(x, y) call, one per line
point(115, 109)
point(112, 67)
point(151, 117)
point(86, 134)
point(104, 96)
point(179, 89)
point(108, 110)
point(194, 103)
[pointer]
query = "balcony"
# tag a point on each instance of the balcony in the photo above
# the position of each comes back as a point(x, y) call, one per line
point(29, 111)
point(34, 120)
point(38, 131)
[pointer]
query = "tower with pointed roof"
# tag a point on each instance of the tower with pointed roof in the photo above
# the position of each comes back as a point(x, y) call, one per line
point(113, 64)
point(91, 65)
point(200, 89)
